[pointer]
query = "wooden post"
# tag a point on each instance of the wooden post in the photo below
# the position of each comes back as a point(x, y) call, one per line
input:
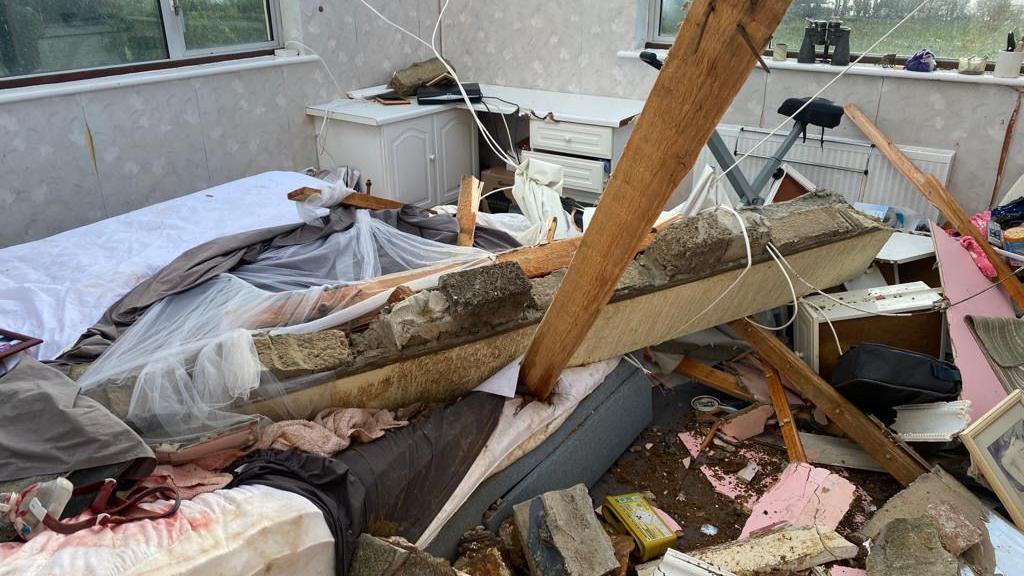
point(708, 376)
point(790, 435)
point(705, 69)
point(469, 203)
point(938, 196)
point(875, 440)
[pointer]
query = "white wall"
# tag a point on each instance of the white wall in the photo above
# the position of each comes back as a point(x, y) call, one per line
point(571, 46)
point(161, 140)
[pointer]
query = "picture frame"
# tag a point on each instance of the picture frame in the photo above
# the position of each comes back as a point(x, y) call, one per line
point(11, 343)
point(996, 444)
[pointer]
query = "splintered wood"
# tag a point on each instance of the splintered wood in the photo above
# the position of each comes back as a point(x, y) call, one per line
point(705, 69)
point(469, 204)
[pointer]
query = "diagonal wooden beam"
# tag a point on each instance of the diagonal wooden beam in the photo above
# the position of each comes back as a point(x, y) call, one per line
point(938, 196)
point(705, 69)
point(790, 434)
point(898, 460)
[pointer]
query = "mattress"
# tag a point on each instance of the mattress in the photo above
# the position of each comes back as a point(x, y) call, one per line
point(57, 287)
point(242, 531)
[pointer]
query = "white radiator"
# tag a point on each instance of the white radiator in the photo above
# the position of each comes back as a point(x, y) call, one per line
point(853, 168)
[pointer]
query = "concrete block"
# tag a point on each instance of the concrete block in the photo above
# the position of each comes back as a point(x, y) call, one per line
point(396, 557)
point(955, 532)
point(561, 536)
point(791, 550)
point(489, 294)
point(911, 546)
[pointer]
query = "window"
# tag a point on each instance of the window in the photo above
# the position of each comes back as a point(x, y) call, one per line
point(950, 28)
point(46, 36)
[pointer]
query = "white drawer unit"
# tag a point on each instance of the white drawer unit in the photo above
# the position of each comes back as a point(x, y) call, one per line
point(571, 138)
point(580, 173)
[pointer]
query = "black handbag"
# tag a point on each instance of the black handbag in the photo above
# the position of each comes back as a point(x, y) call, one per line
point(875, 378)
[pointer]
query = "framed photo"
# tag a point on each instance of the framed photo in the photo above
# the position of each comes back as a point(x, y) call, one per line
point(11, 343)
point(996, 444)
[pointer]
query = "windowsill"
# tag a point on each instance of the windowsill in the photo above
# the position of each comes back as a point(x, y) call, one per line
point(869, 70)
point(140, 78)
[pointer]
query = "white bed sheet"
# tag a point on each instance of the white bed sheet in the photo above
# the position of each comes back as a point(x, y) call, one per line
point(243, 531)
point(57, 287)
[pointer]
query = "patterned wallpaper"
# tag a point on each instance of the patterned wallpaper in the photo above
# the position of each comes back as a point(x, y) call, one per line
point(158, 141)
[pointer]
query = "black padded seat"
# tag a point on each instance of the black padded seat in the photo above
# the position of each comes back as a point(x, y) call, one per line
point(820, 112)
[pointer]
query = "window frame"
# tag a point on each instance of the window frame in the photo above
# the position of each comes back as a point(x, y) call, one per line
point(655, 39)
point(178, 55)
point(174, 33)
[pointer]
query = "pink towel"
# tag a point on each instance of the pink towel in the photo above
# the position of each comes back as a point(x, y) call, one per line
point(189, 479)
point(330, 432)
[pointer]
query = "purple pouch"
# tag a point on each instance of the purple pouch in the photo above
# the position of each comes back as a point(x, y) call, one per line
point(923, 61)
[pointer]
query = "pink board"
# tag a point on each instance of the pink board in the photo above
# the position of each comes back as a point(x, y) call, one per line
point(728, 485)
point(803, 496)
point(962, 279)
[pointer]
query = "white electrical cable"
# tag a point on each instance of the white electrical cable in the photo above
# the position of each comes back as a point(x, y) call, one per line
point(831, 326)
point(820, 92)
point(792, 290)
point(321, 138)
point(772, 248)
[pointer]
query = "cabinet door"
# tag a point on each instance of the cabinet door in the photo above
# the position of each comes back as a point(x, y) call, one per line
point(455, 135)
point(410, 159)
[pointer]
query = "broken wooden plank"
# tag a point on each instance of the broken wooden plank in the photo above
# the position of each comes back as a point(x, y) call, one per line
point(370, 202)
point(790, 435)
point(469, 202)
point(706, 67)
point(712, 378)
point(303, 194)
point(938, 196)
point(897, 460)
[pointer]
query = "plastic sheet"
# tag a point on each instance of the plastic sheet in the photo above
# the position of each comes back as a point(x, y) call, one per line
point(191, 356)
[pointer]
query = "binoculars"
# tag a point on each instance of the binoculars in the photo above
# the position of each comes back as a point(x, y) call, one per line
point(828, 33)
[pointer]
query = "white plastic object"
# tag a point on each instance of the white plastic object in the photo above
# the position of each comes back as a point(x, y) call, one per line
point(310, 209)
point(191, 357)
point(36, 502)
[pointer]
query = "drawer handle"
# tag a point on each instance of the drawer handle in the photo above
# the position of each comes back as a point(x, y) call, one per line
point(432, 157)
point(567, 138)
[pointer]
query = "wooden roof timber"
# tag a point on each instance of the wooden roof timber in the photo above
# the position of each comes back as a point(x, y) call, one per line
point(705, 69)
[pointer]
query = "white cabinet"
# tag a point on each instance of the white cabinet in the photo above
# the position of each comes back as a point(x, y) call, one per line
point(413, 154)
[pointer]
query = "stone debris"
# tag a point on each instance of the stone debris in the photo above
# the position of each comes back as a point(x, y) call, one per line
point(290, 355)
point(396, 557)
point(911, 546)
point(793, 549)
point(486, 563)
point(489, 294)
point(561, 535)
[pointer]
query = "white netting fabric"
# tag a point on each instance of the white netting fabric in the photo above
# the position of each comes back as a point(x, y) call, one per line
point(191, 356)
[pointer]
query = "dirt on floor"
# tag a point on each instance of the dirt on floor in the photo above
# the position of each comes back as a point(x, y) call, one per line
point(655, 464)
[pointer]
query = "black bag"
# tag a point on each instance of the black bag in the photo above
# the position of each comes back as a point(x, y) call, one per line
point(875, 378)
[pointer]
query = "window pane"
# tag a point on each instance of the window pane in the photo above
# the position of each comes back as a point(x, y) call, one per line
point(672, 14)
point(950, 28)
point(53, 35)
point(219, 23)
